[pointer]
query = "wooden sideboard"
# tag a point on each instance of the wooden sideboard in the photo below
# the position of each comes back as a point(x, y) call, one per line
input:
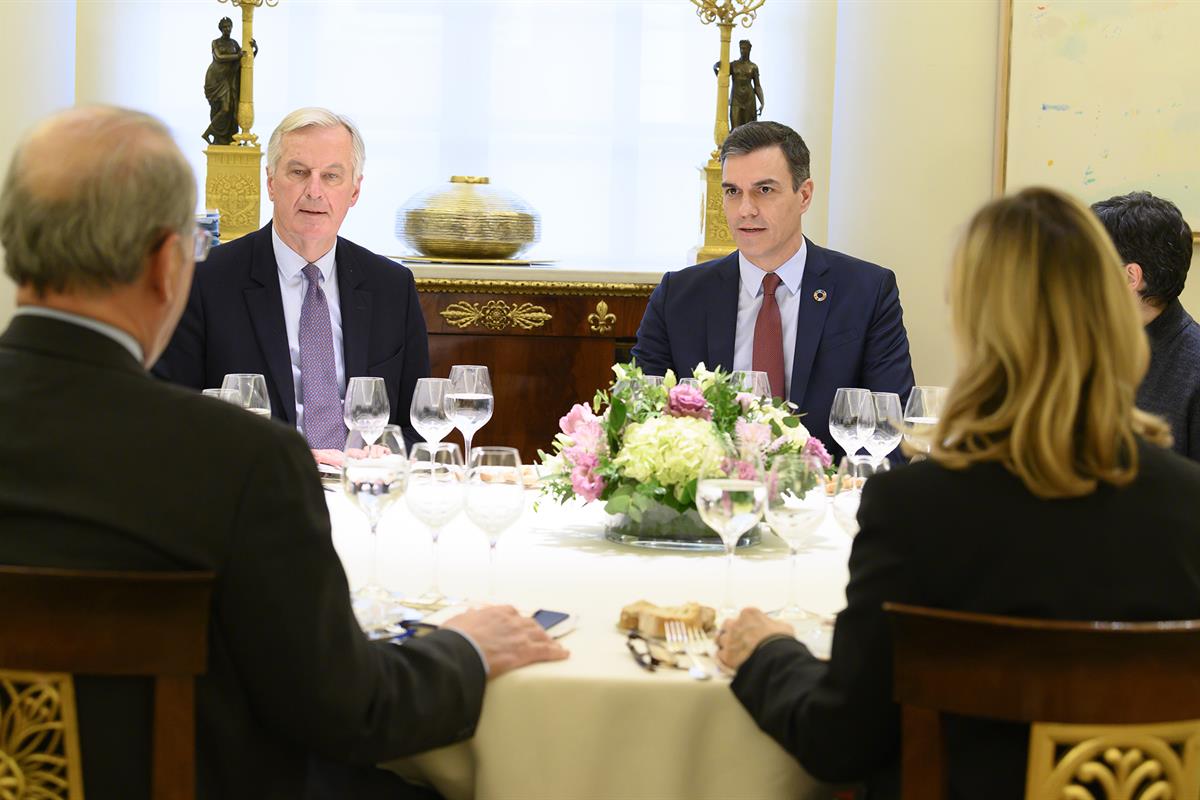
point(548, 337)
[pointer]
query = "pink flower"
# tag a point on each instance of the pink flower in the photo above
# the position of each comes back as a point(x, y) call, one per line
point(747, 401)
point(578, 414)
point(687, 401)
point(752, 435)
point(586, 483)
point(588, 435)
point(579, 457)
point(815, 447)
point(736, 468)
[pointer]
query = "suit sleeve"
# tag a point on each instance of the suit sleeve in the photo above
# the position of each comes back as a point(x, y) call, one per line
point(310, 673)
point(838, 718)
point(887, 366)
point(653, 349)
point(182, 362)
point(416, 363)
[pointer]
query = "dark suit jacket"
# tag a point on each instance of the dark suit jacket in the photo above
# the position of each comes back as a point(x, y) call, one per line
point(855, 337)
point(974, 540)
point(151, 476)
point(234, 323)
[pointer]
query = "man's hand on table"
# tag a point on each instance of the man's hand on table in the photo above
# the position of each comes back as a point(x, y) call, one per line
point(737, 639)
point(507, 639)
point(334, 458)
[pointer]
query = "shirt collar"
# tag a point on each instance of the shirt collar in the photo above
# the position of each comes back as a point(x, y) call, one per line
point(292, 263)
point(112, 332)
point(791, 272)
point(1164, 327)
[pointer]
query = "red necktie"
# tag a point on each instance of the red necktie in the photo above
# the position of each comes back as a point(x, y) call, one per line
point(768, 337)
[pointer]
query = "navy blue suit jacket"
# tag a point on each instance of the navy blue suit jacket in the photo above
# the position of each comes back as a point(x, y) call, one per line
point(234, 323)
point(855, 337)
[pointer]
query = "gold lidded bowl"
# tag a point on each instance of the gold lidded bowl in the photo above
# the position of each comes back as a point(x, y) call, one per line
point(467, 218)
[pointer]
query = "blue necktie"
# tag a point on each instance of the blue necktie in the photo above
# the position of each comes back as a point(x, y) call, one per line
point(323, 425)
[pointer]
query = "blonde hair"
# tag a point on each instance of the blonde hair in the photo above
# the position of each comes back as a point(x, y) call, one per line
point(314, 117)
point(1051, 350)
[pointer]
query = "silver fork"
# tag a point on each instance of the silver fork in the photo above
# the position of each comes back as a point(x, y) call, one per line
point(697, 645)
point(677, 642)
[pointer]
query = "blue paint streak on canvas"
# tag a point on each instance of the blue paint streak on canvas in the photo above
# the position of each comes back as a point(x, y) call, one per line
point(1055, 107)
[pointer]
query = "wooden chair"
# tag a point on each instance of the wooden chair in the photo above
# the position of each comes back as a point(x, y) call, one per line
point(1118, 701)
point(57, 622)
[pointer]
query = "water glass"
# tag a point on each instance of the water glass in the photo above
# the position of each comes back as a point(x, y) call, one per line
point(796, 505)
point(754, 382)
point(251, 391)
point(851, 418)
point(374, 474)
point(469, 401)
point(428, 410)
point(921, 415)
point(731, 507)
point(228, 395)
point(889, 425)
point(366, 408)
point(495, 497)
point(435, 495)
point(852, 475)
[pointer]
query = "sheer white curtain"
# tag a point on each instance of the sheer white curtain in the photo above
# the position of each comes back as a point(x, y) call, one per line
point(597, 113)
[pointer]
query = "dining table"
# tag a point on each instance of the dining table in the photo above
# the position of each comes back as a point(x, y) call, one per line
point(599, 725)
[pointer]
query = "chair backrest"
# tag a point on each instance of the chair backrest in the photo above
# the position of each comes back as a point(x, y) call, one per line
point(58, 622)
point(1095, 692)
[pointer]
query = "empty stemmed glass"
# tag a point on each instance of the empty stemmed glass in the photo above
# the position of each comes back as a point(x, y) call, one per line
point(755, 382)
point(851, 476)
point(851, 419)
point(374, 473)
point(428, 410)
point(730, 506)
point(469, 401)
point(796, 504)
point(921, 414)
point(251, 392)
point(436, 489)
point(366, 408)
point(495, 497)
point(889, 425)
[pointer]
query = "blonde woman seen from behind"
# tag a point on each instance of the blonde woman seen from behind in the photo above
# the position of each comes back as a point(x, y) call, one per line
point(1046, 494)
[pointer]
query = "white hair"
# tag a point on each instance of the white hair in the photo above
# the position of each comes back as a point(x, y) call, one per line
point(314, 117)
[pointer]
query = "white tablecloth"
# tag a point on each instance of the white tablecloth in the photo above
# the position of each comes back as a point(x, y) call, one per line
point(597, 725)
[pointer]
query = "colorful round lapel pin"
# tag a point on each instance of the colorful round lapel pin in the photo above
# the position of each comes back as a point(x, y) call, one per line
point(819, 295)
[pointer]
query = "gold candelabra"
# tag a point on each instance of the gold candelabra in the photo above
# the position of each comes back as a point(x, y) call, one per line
point(246, 97)
point(232, 183)
point(716, 241)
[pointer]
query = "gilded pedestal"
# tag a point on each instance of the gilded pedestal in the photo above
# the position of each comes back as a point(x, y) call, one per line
point(232, 187)
point(716, 239)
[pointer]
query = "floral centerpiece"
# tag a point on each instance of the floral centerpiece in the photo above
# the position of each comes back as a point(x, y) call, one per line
point(642, 446)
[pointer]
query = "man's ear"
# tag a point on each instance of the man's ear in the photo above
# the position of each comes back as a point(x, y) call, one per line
point(1133, 276)
point(161, 263)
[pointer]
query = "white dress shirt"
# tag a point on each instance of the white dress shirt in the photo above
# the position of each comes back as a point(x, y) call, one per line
point(292, 287)
point(787, 297)
point(116, 334)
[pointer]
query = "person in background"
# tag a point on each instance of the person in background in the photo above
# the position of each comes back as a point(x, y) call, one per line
point(297, 303)
point(1046, 494)
point(1155, 244)
point(97, 223)
point(813, 319)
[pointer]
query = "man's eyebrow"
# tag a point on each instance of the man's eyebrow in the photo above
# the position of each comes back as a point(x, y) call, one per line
point(763, 182)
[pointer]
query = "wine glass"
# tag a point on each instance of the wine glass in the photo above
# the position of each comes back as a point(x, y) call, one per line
point(921, 414)
point(495, 497)
point(428, 410)
point(228, 395)
point(730, 506)
point(374, 473)
point(889, 425)
point(755, 382)
point(796, 504)
point(851, 418)
point(366, 408)
point(436, 485)
point(251, 392)
point(693, 382)
point(852, 474)
point(469, 401)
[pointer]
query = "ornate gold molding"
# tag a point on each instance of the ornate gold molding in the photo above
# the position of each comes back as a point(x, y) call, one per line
point(602, 321)
point(552, 288)
point(496, 315)
point(39, 737)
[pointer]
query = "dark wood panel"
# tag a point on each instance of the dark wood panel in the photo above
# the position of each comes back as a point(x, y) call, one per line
point(568, 316)
point(536, 380)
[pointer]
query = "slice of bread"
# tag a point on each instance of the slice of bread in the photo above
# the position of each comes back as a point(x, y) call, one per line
point(648, 619)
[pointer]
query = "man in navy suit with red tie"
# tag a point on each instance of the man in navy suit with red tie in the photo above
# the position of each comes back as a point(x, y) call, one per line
point(813, 319)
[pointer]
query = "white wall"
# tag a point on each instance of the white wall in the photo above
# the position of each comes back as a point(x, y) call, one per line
point(39, 58)
point(912, 154)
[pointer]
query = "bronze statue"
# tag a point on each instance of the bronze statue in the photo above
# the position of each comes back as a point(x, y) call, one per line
point(744, 88)
point(222, 85)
